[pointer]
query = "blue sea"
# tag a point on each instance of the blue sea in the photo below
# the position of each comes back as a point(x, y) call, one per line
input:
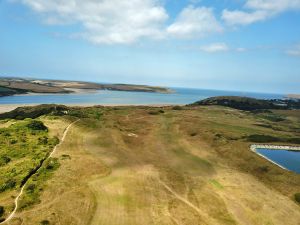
point(180, 96)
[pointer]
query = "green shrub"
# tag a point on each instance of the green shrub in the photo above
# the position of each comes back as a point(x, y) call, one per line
point(297, 197)
point(13, 142)
point(193, 134)
point(36, 125)
point(4, 160)
point(9, 184)
point(33, 112)
point(263, 169)
point(262, 138)
point(31, 188)
point(294, 140)
point(153, 112)
point(1, 211)
point(273, 117)
point(37, 181)
point(45, 222)
point(64, 156)
point(177, 107)
point(43, 140)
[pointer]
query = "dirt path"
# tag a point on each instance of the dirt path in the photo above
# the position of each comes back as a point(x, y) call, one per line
point(187, 202)
point(12, 214)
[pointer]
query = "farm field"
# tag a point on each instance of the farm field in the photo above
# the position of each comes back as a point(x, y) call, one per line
point(160, 165)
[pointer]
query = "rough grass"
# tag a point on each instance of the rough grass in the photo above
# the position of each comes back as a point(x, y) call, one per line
point(122, 165)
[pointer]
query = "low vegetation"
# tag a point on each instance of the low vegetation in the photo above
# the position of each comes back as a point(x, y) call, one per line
point(36, 184)
point(177, 107)
point(250, 104)
point(24, 145)
point(150, 165)
point(1, 211)
point(33, 112)
point(297, 197)
point(262, 138)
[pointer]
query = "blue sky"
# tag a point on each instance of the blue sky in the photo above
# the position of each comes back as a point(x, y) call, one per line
point(247, 45)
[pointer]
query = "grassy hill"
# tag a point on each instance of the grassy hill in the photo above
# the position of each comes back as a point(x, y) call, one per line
point(33, 112)
point(250, 104)
point(148, 165)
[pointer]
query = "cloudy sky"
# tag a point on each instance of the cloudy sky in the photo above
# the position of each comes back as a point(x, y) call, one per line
point(248, 45)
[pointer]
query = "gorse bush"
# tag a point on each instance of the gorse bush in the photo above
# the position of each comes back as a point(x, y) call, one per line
point(45, 222)
point(262, 138)
point(1, 211)
point(297, 197)
point(33, 112)
point(37, 181)
point(36, 125)
point(177, 107)
point(23, 146)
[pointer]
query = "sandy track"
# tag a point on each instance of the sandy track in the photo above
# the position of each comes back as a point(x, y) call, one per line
point(187, 202)
point(12, 214)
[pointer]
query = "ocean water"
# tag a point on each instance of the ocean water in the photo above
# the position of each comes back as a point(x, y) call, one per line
point(180, 96)
point(288, 159)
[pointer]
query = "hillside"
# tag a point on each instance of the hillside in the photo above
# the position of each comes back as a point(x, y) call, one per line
point(11, 86)
point(24, 112)
point(147, 165)
point(250, 104)
point(4, 91)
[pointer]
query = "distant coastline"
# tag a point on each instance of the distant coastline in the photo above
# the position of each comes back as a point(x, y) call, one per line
point(20, 86)
point(294, 96)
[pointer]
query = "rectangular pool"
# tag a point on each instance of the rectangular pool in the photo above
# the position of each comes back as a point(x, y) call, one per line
point(285, 158)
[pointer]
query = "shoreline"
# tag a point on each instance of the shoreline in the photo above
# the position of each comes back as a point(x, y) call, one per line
point(275, 147)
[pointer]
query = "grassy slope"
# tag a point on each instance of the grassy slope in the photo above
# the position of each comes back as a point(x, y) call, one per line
point(22, 149)
point(189, 166)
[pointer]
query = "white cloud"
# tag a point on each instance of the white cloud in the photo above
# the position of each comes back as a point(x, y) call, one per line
point(258, 10)
point(215, 47)
point(106, 21)
point(194, 22)
point(238, 17)
point(295, 51)
point(273, 5)
point(126, 21)
point(240, 49)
